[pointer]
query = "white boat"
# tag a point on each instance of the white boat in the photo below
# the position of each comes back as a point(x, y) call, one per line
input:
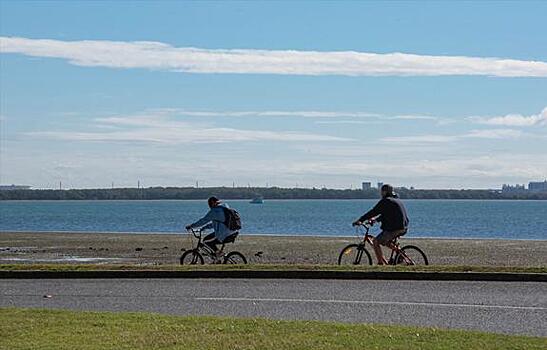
point(257, 200)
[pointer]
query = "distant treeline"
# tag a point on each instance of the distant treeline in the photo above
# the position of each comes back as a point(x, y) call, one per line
point(252, 192)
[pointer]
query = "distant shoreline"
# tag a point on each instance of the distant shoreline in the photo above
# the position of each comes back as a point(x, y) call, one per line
point(267, 193)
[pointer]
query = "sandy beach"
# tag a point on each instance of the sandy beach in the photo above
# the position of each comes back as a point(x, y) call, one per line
point(39, 247)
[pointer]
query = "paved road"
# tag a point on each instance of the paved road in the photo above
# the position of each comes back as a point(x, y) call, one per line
point(516, 308)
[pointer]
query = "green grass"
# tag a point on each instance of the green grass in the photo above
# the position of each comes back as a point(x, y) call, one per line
point(281, 267)
point(55, 329)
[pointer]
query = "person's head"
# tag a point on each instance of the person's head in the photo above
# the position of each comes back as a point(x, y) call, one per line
point(387, 191)
point(213, 201)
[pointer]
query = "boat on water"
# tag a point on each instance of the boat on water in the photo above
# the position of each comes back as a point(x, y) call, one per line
point(257, 200)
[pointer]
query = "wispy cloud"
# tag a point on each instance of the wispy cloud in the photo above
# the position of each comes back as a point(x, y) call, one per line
point(514, 119)
point(420, 139)
point(161, 56)
point(476, 134)
point(332, 122)
point(312, 114)
point(161, 129)
point(494, 134)
point(302, 114)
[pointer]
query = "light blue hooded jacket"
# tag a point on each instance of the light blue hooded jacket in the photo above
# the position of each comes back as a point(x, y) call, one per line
point(215, 219)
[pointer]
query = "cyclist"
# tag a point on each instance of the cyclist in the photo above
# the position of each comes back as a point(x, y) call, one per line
point(215, 219)
point(391, 212)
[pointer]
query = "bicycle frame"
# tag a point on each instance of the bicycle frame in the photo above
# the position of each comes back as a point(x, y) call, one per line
point(202, 247)
point(393, 245)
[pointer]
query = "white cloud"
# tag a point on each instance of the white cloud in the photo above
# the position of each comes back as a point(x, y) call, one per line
point(160, 129)
point(302, 114)
point(494, 134)
point(331, 122)
point(476, 134)
point(514, 119)
point(428, 168)
point(312, 114)
point(420, 139)
point(413, 117)
point(161, 56)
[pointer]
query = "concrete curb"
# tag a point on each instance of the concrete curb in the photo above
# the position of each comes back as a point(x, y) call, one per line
point(277, 274)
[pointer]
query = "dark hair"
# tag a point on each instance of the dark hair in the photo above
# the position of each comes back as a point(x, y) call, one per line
point(388, 189)
point(212, 201)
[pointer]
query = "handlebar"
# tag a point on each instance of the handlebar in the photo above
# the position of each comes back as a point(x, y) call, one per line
point(196, 233)
point(366, 225)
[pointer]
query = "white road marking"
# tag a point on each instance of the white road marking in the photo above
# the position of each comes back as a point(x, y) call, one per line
point(371, 302)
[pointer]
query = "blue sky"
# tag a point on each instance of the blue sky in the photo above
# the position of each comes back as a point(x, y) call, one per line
point(431, 95)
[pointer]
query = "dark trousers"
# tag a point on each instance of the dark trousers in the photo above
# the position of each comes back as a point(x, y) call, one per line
point(211, 241)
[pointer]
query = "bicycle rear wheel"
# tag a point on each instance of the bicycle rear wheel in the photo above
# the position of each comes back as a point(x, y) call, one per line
point(235, 258)
point(191, 257)
point(354, 254)
point(411, 255)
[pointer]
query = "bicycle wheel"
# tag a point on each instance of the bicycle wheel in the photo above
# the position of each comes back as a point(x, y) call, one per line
point(235, 258)
point(191, 257)
point(354, 254)
point(411, 255)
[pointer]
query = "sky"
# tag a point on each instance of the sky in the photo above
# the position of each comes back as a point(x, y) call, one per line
point(307, 94)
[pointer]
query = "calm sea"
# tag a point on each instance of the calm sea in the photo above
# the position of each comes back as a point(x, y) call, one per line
point(428, 218)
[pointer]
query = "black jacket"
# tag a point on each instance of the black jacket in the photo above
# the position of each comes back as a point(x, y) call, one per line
point(392, 214)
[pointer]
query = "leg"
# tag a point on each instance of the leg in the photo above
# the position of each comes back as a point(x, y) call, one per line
point(378, 252)
point(211, 241)
point(384, 238)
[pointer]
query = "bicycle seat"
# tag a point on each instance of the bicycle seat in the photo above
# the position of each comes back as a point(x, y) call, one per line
point(231, 238)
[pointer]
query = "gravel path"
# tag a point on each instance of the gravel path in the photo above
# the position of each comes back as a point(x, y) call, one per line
point(166, 248)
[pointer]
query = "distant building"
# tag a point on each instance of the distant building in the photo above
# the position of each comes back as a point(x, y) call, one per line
point(536, 186)
point(380, 184)
point(512, 189)
point(13, 187)
point(366, 186)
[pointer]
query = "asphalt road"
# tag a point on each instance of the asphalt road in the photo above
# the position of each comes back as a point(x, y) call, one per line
point(501, 307)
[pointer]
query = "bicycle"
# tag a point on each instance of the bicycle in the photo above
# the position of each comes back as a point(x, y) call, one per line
point(195, 255)
point(354, 253)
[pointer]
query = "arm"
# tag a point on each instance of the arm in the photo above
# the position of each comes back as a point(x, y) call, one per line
point(377, 210)
point(204, 220)
point(208, 226)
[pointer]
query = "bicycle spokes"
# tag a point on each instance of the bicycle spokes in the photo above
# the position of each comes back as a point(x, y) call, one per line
point(411, 255)
point(354, 254)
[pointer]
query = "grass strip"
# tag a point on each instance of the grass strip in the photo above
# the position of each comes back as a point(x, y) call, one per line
point(270, 267)
point(56, 329)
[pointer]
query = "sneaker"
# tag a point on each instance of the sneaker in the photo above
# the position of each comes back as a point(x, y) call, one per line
point(217, 257)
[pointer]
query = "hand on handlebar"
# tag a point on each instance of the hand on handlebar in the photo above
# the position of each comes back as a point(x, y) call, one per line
point(363, 223)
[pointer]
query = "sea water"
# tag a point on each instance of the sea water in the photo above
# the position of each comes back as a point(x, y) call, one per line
point(502, 219)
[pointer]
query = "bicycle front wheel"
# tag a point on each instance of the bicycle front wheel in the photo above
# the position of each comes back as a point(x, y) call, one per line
point(354, 254)
point(411, 255)
point(235, 258)
point(191, 257)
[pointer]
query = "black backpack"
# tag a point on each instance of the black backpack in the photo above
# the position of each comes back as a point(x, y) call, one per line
point(232, 219)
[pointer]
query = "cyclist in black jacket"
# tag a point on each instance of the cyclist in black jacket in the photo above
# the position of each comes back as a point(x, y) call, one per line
point(391, 212)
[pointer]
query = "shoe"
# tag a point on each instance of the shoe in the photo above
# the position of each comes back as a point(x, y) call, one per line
point(217, 259)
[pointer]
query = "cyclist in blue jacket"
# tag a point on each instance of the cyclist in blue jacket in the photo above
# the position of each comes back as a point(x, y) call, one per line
point(214, 219)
